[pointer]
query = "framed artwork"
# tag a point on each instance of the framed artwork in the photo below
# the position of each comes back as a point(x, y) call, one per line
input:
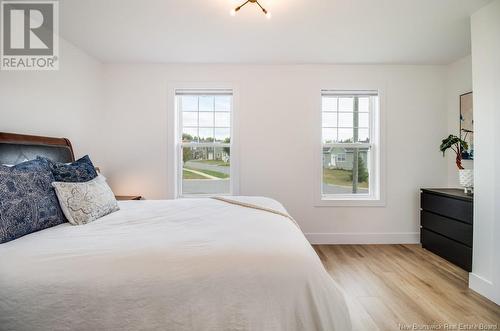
point(467, 124)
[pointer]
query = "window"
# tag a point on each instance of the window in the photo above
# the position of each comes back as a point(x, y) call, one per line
point(349, 145)
point(341, 157)
point(204, 142)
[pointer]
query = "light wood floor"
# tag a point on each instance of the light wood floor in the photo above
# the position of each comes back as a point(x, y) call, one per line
point(389, 287)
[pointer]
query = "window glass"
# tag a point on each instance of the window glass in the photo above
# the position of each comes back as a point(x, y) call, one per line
point(338, 171)
point(206, 103)
point(346, 132)
point(204, 119)
point(206, 170)
point(222, 119)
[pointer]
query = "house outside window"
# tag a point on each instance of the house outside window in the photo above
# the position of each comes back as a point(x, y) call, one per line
point(204, 142)
point(350, 145)
point(340, 157)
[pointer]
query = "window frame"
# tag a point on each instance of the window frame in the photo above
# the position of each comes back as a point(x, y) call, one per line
point(176, 174)
point(376, 169)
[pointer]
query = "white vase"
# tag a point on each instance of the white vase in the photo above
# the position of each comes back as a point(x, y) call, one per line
point(466, 177)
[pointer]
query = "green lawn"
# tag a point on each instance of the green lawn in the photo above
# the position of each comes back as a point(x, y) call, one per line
point(340, 177)
point(208, 172)
point(213, 162)
point(191, 175)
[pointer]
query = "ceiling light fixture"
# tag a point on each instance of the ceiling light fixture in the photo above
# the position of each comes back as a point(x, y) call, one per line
point(267, 13)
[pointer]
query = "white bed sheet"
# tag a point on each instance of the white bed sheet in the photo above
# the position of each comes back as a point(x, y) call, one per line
point(189, 264)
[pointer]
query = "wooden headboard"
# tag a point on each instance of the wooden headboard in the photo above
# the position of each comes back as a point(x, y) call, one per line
point(17, 148)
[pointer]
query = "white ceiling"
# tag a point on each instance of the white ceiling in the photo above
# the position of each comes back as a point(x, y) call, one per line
point(300, 31)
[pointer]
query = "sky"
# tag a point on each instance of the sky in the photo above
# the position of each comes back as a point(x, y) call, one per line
point(209, 116)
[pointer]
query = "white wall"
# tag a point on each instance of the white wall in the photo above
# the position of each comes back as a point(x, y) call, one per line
point(485, 276)
point(459, 81)
point(64, 103)
point(119, 115)
point(278, 128)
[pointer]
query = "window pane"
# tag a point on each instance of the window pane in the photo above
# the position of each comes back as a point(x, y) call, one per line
point(223, 103)
point(190, 119)
point(349, 125)
point(207, 103)
point(363, 136)
point(222, 134)
point(207, 119)
point(346, 120)
point(189, 134)
point(206, 170)
point(338, 165)
point(329, 103)
point(206, 134)
point(346, 104)
point(364, 104)
point(345, 136)
point(329, 135)
point(363, 120)
point(223, 119)
point(329, 119)
point(204, 118)
point(189, 103)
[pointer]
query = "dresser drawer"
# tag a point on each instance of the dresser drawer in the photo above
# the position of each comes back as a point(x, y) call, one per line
point(448, 227)
point(451, 250)
point(449, 207)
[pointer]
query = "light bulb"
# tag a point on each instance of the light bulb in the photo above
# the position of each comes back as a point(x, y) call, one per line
point(269, 15)
point(232, 12)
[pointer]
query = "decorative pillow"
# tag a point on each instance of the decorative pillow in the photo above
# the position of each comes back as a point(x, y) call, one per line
point(85, 202)
point(79, 171)
point(28, 202)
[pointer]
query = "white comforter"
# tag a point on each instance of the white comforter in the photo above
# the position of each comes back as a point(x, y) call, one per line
point(190, 264)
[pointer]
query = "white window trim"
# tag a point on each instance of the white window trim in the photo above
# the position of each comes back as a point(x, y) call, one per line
point(377, 158)
point(174, 176)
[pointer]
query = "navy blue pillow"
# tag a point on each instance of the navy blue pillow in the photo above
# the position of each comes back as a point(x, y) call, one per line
point(28, 203)
point(79, 171)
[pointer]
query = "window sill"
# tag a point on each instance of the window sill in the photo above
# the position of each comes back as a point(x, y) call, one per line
point(349, 202)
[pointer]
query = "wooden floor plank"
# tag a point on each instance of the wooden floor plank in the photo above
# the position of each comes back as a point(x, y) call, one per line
point(389, 287)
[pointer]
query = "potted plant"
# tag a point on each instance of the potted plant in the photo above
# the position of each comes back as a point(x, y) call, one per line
point(458, 145)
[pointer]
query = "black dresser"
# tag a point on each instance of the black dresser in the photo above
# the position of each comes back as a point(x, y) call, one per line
point(446, 225)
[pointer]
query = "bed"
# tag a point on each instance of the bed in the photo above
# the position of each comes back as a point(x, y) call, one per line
point(187, 264)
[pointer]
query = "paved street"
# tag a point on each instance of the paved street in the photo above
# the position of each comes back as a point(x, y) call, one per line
point(210, 186)
point(336, 189)
point(214, 186)
point(206, 166)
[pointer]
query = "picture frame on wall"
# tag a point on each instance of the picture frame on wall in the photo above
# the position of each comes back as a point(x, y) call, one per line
point(467, 124)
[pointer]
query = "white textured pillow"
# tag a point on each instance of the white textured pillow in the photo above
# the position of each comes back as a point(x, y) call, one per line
point(85, 202)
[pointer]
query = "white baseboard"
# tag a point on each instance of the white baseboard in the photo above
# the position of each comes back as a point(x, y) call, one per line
point(482, 286)
point(364, 238)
